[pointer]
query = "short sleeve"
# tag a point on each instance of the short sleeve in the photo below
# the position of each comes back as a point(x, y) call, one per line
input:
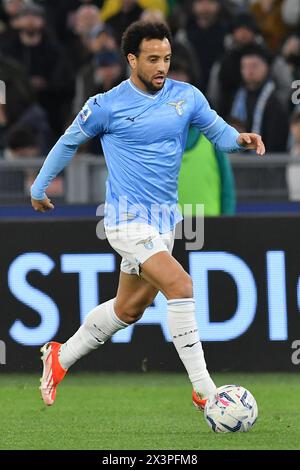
point(93, 119)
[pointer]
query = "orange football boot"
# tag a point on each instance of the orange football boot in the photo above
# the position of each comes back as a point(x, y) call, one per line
point(53, 372)
point(198, 402)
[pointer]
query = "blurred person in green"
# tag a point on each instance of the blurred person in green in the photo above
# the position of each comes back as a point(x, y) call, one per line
point(205, 176)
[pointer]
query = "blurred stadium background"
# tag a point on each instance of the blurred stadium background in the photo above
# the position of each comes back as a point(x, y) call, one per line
point(245, 56)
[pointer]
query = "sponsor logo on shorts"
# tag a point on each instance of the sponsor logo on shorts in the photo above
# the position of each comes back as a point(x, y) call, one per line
point(148, 243)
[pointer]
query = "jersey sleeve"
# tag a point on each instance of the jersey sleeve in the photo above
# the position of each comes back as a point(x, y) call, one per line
point(221, 134)
point(93, 119)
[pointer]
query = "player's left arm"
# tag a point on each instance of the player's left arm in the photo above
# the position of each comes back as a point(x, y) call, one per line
point(251, 141)
point(221, 134)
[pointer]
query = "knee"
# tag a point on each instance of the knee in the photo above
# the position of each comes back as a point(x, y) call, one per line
point(131, 316)
point(180, 288)
point(132, 312)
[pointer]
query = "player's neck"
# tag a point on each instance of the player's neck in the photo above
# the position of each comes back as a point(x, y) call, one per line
point(141, 86)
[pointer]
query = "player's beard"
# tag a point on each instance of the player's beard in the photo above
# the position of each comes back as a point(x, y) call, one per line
point(151, 88)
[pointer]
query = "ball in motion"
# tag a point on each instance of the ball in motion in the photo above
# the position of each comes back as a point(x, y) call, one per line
point(233, 409)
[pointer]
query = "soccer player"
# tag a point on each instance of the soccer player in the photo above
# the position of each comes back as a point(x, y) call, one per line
point(143, 125)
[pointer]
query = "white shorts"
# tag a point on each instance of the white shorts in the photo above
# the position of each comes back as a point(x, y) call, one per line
point(136, 242)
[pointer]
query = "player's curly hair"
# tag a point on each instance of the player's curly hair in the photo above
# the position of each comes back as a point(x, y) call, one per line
point(140, 30)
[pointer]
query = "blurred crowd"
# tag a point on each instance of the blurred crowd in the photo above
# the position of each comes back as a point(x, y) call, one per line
point(243, 54)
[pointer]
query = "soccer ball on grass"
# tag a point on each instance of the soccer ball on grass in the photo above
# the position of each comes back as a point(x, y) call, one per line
point(233, 409)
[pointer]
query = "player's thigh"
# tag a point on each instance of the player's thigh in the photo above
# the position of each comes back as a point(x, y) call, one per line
point(164, 272)
point(134, 295)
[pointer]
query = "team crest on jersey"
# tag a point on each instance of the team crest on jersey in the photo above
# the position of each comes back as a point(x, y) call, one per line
point(178, 106)
point(85, 114)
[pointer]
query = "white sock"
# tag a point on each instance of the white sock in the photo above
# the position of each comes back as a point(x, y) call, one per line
point(184, 331)
point(99, 326)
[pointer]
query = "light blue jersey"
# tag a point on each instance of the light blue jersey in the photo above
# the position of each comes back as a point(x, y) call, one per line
point(143, 138)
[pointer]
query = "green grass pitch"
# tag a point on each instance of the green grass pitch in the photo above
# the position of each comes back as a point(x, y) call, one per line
point(141, 411)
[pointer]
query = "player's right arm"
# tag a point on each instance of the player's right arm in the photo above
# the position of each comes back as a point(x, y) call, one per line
point(91, 121)
point(57, 159)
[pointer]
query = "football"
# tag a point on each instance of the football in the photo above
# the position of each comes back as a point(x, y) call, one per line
point(233, 409)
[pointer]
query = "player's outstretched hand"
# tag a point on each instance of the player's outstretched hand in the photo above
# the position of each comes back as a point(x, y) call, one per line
point(252, 142)
point(43, 205)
